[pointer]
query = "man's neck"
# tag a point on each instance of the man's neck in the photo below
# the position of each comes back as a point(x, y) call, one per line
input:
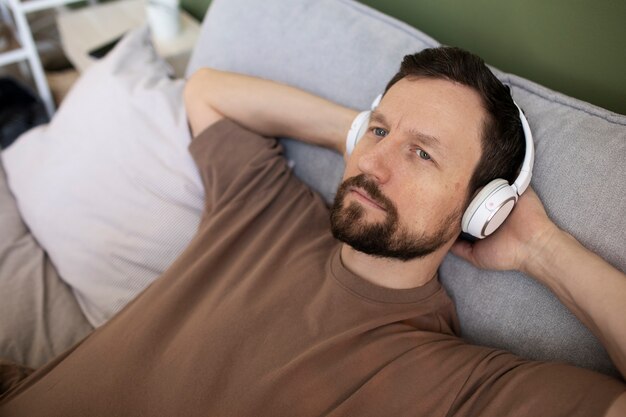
point(393, 273)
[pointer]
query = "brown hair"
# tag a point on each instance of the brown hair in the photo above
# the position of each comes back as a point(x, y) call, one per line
point(502, 141)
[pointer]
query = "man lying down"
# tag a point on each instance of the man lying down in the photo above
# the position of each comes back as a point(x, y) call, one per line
point(279, 307)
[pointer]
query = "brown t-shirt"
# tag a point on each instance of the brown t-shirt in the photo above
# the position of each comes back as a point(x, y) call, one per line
point(259, 317)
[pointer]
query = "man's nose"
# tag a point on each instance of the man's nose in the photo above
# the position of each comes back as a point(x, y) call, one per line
point(377, 160)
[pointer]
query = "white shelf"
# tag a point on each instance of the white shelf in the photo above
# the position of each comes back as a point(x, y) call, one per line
point(13, 56)
point(28, 50)
point(36, 5)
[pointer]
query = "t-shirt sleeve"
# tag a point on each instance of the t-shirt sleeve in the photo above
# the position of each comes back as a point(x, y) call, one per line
point(236, 163)
point(502, 384)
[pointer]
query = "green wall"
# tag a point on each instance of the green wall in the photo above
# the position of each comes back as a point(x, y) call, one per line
point(577, 47)
point(196, 8)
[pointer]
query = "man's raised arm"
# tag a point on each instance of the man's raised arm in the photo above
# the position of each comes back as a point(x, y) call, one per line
point(266, 107)
point(588, 285)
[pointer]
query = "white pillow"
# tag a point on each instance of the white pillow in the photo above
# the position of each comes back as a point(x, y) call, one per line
point(108, 188)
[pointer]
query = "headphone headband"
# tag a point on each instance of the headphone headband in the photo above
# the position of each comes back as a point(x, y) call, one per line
point(523, 179)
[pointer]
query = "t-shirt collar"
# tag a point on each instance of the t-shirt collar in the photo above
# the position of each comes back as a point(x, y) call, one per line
point(374, 292)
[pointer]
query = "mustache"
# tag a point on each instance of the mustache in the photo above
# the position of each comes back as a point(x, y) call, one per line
point(362, 181)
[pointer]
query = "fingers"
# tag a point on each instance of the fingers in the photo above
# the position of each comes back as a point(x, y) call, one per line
point(463, 249)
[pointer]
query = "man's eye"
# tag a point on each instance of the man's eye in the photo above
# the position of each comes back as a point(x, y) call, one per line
point(424, 155)
point(380, 132)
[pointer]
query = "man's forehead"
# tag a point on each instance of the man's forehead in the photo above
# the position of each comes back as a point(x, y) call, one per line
point(435, 107)
point(444, 116)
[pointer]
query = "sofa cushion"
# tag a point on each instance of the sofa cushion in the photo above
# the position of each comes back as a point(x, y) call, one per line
point(345, 51)
point(108, 188)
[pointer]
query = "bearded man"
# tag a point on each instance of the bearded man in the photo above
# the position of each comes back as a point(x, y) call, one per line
point(275, 311)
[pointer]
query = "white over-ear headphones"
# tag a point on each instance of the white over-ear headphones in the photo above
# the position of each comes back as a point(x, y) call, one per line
point(494, 202)
point(359, 126)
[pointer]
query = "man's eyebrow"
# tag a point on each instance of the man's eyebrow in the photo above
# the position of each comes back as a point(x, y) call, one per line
point(378, 117)
point(428, 140)
point(421, 137)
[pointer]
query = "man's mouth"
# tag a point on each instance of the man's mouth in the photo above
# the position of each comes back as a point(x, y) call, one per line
point(363, 196)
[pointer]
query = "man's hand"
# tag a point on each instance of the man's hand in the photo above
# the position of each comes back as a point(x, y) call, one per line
point(525, 233)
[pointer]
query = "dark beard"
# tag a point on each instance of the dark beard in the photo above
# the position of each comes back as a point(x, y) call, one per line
point(384, 239)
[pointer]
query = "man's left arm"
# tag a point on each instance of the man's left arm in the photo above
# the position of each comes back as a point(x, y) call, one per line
point(588, 285)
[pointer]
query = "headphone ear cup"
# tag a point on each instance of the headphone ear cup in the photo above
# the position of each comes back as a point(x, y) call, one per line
point(359, 126)
point(357, 130)
point(489, 209)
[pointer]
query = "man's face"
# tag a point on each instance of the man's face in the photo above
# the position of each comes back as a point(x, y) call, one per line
point(405, 184)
